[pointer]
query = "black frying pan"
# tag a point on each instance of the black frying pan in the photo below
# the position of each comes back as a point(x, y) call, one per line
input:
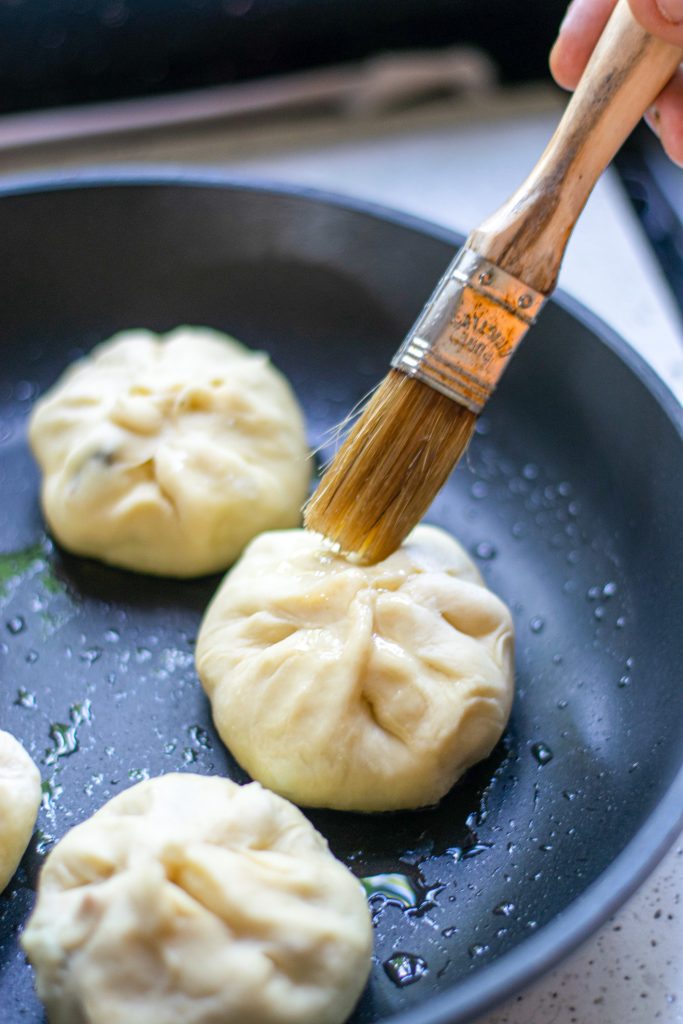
point(570, 500)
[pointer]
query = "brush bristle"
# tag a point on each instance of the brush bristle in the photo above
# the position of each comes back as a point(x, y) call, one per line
point(389, 469)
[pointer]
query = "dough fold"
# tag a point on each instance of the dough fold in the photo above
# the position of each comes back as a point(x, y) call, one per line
point(366, 688)
point(192, 900)
point(167, 454)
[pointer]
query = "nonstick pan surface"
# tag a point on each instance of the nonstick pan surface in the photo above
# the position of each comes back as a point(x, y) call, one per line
point(569, 500)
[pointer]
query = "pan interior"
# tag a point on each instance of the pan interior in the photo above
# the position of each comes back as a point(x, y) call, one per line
point(567, 501)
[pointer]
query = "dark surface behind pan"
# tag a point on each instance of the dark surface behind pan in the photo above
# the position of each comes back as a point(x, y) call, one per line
point(569, 500)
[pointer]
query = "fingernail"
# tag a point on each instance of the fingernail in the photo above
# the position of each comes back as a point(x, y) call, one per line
point(672, 10)
point(568, 17)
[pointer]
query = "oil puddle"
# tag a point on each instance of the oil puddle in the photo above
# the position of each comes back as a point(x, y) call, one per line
point(405, 969)
point(411, 895)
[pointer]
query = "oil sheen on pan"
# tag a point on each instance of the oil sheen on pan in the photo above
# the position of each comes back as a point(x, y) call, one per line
point(568, 513)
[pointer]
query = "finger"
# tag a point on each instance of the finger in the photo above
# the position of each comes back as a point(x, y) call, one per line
point(579, 32)
point(665, 117)
point(664, 18)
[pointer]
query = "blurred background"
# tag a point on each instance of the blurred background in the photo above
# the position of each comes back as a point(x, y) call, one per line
point(57, 52)
point(223, 81)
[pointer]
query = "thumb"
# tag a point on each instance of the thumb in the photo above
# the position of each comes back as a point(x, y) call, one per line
point(663, 18)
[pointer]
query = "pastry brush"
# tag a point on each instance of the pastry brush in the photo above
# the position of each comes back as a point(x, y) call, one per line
point(420, 419)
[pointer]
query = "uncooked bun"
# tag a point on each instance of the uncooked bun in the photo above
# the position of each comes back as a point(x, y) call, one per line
point(192, 900)
point(361, 688)
point(20, 796)
point(167, 454)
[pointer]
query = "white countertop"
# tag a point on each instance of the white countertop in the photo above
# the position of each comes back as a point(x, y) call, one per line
point(453, 167)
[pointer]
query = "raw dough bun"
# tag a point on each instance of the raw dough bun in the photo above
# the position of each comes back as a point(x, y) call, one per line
point(20, 796)
point(367, 688)
point(192, 900)
point(167, 454)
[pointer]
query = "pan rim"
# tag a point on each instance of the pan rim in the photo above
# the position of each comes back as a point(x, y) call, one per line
point(533, 957)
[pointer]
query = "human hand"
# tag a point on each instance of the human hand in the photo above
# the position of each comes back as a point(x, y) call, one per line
point(579, 32)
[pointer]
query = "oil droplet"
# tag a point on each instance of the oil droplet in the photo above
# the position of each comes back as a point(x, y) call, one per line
point(405, 969)
point(569, 794)
point(599, 612)
point(16, 625)
point(504, 909)
point(478, 949)
point(518, 530)
point(475, 819)
point(395, 888)
point(562, 704)
point(95, 780)
point(542, 753)
point(593, 593)
point(81, 712)
point(91, 655)
point(624, 681)
point(621, 622)
point(65, 736)
point(26, 699)
point(475, 850)
point(609, 589)
point(422, 851)
point(189, 755)
point(138, 774)
point(174, 659)
point(51, 792)
point(112, 636)
point(43, 842)
point(200, 737)
point(530, 471)
point(449, 932)
point(31, 657)
point(65, 742)
point(536, 624)
point(479, 489)
point(485, 551)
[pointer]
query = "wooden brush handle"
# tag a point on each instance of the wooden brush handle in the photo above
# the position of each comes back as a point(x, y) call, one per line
point(628, 69)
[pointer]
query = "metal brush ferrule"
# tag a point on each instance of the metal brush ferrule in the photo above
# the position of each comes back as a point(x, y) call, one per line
point(464, 338)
